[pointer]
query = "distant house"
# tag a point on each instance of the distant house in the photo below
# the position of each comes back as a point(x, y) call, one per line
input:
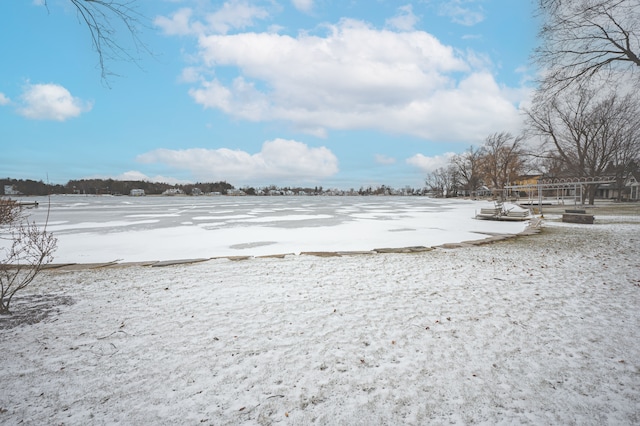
point(235, 192)
point(173, 191)
point(629, 192)
point(9, 190)
point(196, 191)
point(531, 184)
point(527, 180)
point(137, 192)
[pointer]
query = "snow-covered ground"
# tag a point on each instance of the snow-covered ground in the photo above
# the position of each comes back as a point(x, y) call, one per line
point(543, 329)
point(133, 229)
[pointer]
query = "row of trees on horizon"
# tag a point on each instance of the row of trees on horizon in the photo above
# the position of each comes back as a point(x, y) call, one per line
point(105, 187)
point(117, 187)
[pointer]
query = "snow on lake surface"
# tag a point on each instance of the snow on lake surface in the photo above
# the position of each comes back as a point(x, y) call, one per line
point(541, 329)
point(103, 229)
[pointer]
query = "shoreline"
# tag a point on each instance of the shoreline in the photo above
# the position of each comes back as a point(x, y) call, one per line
point(603, 210)
point(534, 227)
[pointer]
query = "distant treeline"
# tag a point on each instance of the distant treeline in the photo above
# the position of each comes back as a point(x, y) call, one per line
point(105, 186)
point(124, 187)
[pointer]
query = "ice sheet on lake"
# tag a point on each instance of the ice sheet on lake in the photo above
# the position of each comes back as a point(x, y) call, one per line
point(101, 229)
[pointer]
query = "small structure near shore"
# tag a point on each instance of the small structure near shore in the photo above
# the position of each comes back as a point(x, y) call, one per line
point(27, 204)
point(577, 216)
point(504, 211)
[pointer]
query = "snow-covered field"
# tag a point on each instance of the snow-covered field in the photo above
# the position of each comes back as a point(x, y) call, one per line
point(543, 329)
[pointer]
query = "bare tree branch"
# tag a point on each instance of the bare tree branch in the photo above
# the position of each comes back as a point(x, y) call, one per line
point(584, 39)
point(105, 19)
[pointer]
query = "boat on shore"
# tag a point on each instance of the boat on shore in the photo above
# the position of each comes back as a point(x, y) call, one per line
point(504, 211)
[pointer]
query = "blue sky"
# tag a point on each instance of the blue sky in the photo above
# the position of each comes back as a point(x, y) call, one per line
point(325, 93)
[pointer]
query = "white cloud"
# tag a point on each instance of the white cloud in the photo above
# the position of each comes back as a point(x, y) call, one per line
point(353, 77)
point(4, 100)
point(178, 24)
point(303, 5)
point(234, 14)
point(50, 102)
point(462, 12)
point(384, 159)
point(134, 175)
point(189, 75)
point(405, 20)
point(282, 160)
point(429, 164)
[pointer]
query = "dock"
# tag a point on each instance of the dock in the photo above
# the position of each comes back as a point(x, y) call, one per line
point(27, 203)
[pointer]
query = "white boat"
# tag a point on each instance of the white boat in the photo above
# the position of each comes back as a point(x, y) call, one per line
point(504, 211)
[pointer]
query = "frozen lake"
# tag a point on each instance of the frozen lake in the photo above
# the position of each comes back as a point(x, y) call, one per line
point(105, 228)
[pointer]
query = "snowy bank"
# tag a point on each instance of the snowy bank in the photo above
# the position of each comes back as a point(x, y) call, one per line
point(536, 330)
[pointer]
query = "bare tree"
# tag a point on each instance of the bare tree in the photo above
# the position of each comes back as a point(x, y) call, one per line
point(468, 169)
point(623, 131)
point(27, 250)
point(499, 161)
point(104, 19)
point(588, 134)
point(443, 181)
point(582, 39)
point(502, 159)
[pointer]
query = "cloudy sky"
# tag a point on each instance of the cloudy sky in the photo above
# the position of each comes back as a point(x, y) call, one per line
point(340, 94)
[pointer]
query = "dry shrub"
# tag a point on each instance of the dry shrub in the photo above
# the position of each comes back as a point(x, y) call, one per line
point(25, 249)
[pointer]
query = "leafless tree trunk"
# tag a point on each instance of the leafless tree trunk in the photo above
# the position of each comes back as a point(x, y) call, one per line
point(583, 39)
point(24, 250)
